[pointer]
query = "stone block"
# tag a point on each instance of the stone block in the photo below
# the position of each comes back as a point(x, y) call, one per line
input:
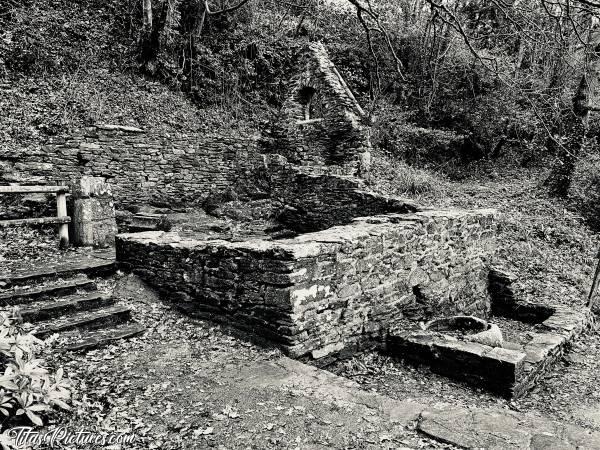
point(496, 369)
point(88, 187)
point(93, 216)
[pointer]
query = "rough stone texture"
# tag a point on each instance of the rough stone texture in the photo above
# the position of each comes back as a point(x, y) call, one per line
point(510, 371)
point(316, 409)
point(142, 167)
point(322, 293)
point(93, 222)
point(321, 183)
point(315, 200)
point(502, 429)
point(93, 262)
point(333, 137)
point(493, 368)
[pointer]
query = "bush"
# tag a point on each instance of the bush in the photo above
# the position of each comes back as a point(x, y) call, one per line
point(423, 147)
point(27, 389)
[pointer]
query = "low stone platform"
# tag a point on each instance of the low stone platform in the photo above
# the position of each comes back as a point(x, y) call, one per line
point(510, 370)
point(321, 294)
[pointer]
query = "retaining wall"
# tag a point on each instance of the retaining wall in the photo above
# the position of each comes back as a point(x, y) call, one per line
point(324, 293)
point(142, 167)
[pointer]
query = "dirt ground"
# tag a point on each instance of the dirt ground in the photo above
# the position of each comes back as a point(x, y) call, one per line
point(187, 384)
point(553, 252)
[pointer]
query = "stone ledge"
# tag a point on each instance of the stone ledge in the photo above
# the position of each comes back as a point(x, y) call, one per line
point(510, 371)
point(496, 369)
point(326, 293)
point(124, 128)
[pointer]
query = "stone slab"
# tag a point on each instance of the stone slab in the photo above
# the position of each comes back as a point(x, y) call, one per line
point(86, 187)
point(89, 262)
point(502, 429)
point(496, 369)
point(317, 409)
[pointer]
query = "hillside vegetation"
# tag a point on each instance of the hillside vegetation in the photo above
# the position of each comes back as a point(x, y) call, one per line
point(468, 89)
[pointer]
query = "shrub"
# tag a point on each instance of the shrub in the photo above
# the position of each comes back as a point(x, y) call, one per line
point(423, 147)
point(27, 389)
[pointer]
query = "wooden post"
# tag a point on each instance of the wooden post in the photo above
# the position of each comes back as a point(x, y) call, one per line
point(61, 211)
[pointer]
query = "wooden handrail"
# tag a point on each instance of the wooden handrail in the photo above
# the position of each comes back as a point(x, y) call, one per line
point(33, 189)
point(61, 209)
point(35, 221)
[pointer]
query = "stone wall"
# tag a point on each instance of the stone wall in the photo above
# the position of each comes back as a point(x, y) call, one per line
point(320, 123)
point(324, 293)
point(316, 200)
point(142, 167)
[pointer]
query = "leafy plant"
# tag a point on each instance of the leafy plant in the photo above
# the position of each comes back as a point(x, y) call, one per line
point(26, 387)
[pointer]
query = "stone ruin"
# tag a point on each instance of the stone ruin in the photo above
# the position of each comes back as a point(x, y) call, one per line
point(359, 271)
point(362, 264)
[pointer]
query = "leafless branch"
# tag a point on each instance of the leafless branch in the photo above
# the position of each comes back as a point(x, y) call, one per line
point(225, 10)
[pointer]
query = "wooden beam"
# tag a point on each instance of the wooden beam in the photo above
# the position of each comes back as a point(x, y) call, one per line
point(61, 211)
point(35, 221)
point(33, 189)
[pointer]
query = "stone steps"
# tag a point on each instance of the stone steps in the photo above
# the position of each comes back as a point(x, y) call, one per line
point(77, 341)
point(57, 288)
point(98, 263)
point(53, 309)
point(85, 320)
point(62, 298)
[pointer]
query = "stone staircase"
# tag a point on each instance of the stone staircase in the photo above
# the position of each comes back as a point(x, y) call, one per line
point(64, 298)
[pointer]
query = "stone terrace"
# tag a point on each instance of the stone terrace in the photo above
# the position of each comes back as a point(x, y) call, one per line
point(325, 293)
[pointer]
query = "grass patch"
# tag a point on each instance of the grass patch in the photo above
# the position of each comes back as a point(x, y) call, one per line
point(391, 176)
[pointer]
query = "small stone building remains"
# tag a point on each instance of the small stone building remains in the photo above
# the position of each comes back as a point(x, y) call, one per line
point(330, 292)
point(321, 121)
point(365, 263)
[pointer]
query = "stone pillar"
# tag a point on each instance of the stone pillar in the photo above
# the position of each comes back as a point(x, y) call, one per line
point(93, 218)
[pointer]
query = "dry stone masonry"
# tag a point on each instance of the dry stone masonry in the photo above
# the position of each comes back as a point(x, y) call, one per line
point(320, 124)
point(315, 200)
point(511, 369)
point(327, 292)
point(141, 166)
point(367, 268)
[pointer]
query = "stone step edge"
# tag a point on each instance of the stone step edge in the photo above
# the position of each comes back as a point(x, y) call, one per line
point(22, 296)
point(84, 320)
point(95, 339)
point(94, 267)
point(54, 309)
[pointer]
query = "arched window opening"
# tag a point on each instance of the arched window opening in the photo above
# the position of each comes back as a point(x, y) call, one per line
point(312, 103)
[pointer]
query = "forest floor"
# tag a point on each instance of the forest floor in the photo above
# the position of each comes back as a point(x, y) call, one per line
point(188, 384)
point(553, 252)
point(165, 385)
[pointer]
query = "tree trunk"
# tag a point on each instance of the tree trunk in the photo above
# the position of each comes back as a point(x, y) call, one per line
point(576, 122)
point(147, 8)
point(149, 43)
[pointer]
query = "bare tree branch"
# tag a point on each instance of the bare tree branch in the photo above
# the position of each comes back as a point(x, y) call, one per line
point(225, 10)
